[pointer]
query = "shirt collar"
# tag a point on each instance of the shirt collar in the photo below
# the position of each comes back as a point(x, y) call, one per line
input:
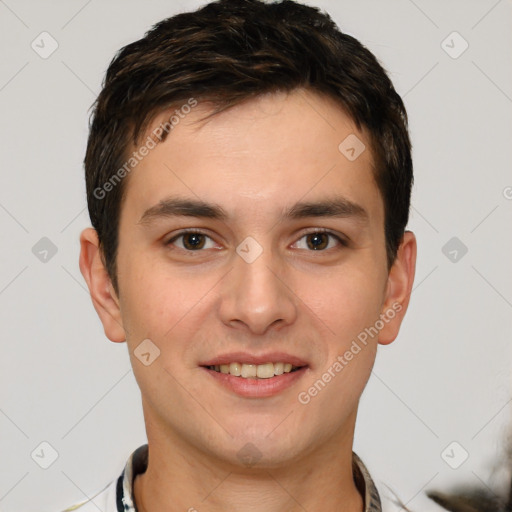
point(365, 485)
point(138, 462)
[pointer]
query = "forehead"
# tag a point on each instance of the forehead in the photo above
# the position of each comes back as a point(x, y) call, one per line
point(257, 156)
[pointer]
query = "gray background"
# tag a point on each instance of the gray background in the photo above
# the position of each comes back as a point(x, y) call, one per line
point(445, 379)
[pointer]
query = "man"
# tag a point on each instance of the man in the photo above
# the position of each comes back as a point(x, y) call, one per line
point(248, 176)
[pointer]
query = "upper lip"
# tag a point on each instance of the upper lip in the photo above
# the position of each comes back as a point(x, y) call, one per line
point(245, 357)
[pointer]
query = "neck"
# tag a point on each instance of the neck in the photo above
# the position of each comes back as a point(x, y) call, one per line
point(179, 478)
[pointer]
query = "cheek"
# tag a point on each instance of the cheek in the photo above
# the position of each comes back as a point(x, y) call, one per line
point(331, 396)
point(346, 301)
point(156, 297)
point(162, 307)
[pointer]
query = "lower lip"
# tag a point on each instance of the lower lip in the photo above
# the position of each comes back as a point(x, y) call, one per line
point(257, 388)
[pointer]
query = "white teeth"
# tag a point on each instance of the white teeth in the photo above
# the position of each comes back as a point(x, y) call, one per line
point(235, 369)
point(254, 371)
point(265, 371)
point(249, 370)
point(278, 368)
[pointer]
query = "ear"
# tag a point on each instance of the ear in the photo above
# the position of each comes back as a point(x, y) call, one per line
point(104, 298)
point(399, 288)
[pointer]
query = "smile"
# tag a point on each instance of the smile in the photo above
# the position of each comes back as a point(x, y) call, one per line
point(249, 385)
point(254, 371)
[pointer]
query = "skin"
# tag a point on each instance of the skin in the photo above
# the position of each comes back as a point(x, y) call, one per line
point(254, 160)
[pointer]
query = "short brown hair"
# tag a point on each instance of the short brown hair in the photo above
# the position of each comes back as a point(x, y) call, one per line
point(227, 52)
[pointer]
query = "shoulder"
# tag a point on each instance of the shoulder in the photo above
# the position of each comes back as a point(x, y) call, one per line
point(104, 500)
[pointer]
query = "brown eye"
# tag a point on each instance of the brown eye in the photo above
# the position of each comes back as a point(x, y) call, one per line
point(317, 241)
point(193, 241)
point(320, 241)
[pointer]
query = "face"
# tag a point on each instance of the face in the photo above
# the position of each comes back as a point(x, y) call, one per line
point(252, 238)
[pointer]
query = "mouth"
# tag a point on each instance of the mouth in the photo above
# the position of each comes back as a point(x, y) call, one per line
point(256, 376)
point(255, 371)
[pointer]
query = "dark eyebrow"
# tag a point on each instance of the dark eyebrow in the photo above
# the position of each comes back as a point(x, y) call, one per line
point(335, 207)
point(174, 206)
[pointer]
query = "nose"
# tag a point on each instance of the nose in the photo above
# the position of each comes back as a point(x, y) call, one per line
point(256, 295)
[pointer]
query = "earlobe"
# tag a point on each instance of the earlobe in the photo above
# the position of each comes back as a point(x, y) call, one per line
point(399, 288)
point(104, 298)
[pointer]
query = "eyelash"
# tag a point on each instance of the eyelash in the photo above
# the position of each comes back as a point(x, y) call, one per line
point(183, 232)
